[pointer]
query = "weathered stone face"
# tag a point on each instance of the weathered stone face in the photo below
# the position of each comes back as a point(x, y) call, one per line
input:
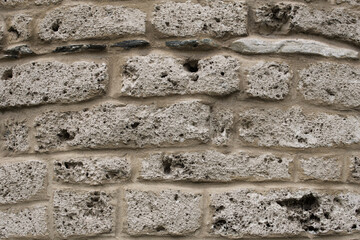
point(321, 168)
point(16, 135)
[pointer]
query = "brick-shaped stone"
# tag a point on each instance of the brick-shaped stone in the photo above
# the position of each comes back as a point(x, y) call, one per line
point(212, 166)
point(283, 212)
point(158, 75)
point(355, 169)
point(26, 3)
point(168, 212)
point(83, 213)
point(19, 27)
point(92, 170)
point(16, 135)
point(86, 21)
point(268, 80)
point(331, 84)
point(296, 128)
point(22, 181)
point(27, 222)
point(214, 18)
point(112, 126)
point(222, 123)
point(321, 168)
point(338, 23)
point(44, 82)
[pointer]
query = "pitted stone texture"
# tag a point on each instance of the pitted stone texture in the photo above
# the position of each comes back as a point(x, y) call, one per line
point(331, 83)
point(16, 134)
point(269, 80)
point(79, 213)
point(170, 212)
point(321, 168)
point(297, 129)
point(111, 126)
point(51, 82)
point(215, 18)
point(2, 29)
point(253, 45)
point(282, 212)
point(222, 121)
point(355, 169)
point(28, 222)
point(25, 3)
point(92, 170)
point(85, 21)
point(339, 23)
point(22, 181)
point(212, 166)
point(19, 28)
point(156, 75)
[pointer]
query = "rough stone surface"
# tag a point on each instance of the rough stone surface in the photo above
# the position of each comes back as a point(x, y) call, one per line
point(171, 212)
point(246, 212)
point(331, 83)
point(321, 168)
point(221, 121)
point(83, 213)
point(269, 80)
point(80, 48)
point(85, 21)
point(297, 129)
point(110, 125)
point(16, 136)
point(25, 3)
point(339, 23)
point(131, 44)
point(92, 170)
point(291, 46)
point(355, 169)
point(27, 222)
point(211, 166)
point(192, 44)
point(22, 181)
point(18, 51)
point(215, 18)
point(19, 28)
point(156, 75)
point(51, 82)
point(2, 29)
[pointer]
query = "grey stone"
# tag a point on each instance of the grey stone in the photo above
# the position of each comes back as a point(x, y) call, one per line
point(331, 83)
point(26, 3)
point(16, 135)
point(27, 222)
point(253, 45)
point(321, 168)
point(338, 23)
point(79, 213)
point(18, 51)
point(212, 166)
point(214, 18)
point(297, 129)
point(268, 80)
point(166, 212)
point(222, 123)
point(19, 28)
point(80, 48)
point(283, 212)
point(131, 44)
point(51, 82)
point(92, 170)
point(157, 75)
point(86, 21)
point(22, 181)
point(2, 29)
point(113, 126)
point(354, 169)
point(192, 44)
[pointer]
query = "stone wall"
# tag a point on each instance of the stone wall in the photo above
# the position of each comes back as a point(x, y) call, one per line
point(150, 119)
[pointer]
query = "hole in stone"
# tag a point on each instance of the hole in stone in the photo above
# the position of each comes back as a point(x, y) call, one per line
point(160, 228)
point(8, 74)
point(14, 30)
point(176, 197)
point(222, 73)
point(191, 65)
point(135, 124)
point(64, 135)
point(167, 166)
point(45, 98)
point(55, 26)
point(306, 202)
point(219, 223)
point(163, 75)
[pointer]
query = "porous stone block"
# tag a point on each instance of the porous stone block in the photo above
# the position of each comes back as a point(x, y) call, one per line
point(86, 21)
point(331, 84)
point(268, 80)
point(26, 3)
point(241, 213)
point(92, 170)
point(355, 169)
point(2, 29)
point(16, 135)
point(22, 181)
point(293, 127)
point(19, 28)
point(112, 126)
point(168, 212)
point(213, 166)
point(321, 168)
point(222, 124)
point(80, 213)
point(213, 18)
point(158, 75)
point(44, 82)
